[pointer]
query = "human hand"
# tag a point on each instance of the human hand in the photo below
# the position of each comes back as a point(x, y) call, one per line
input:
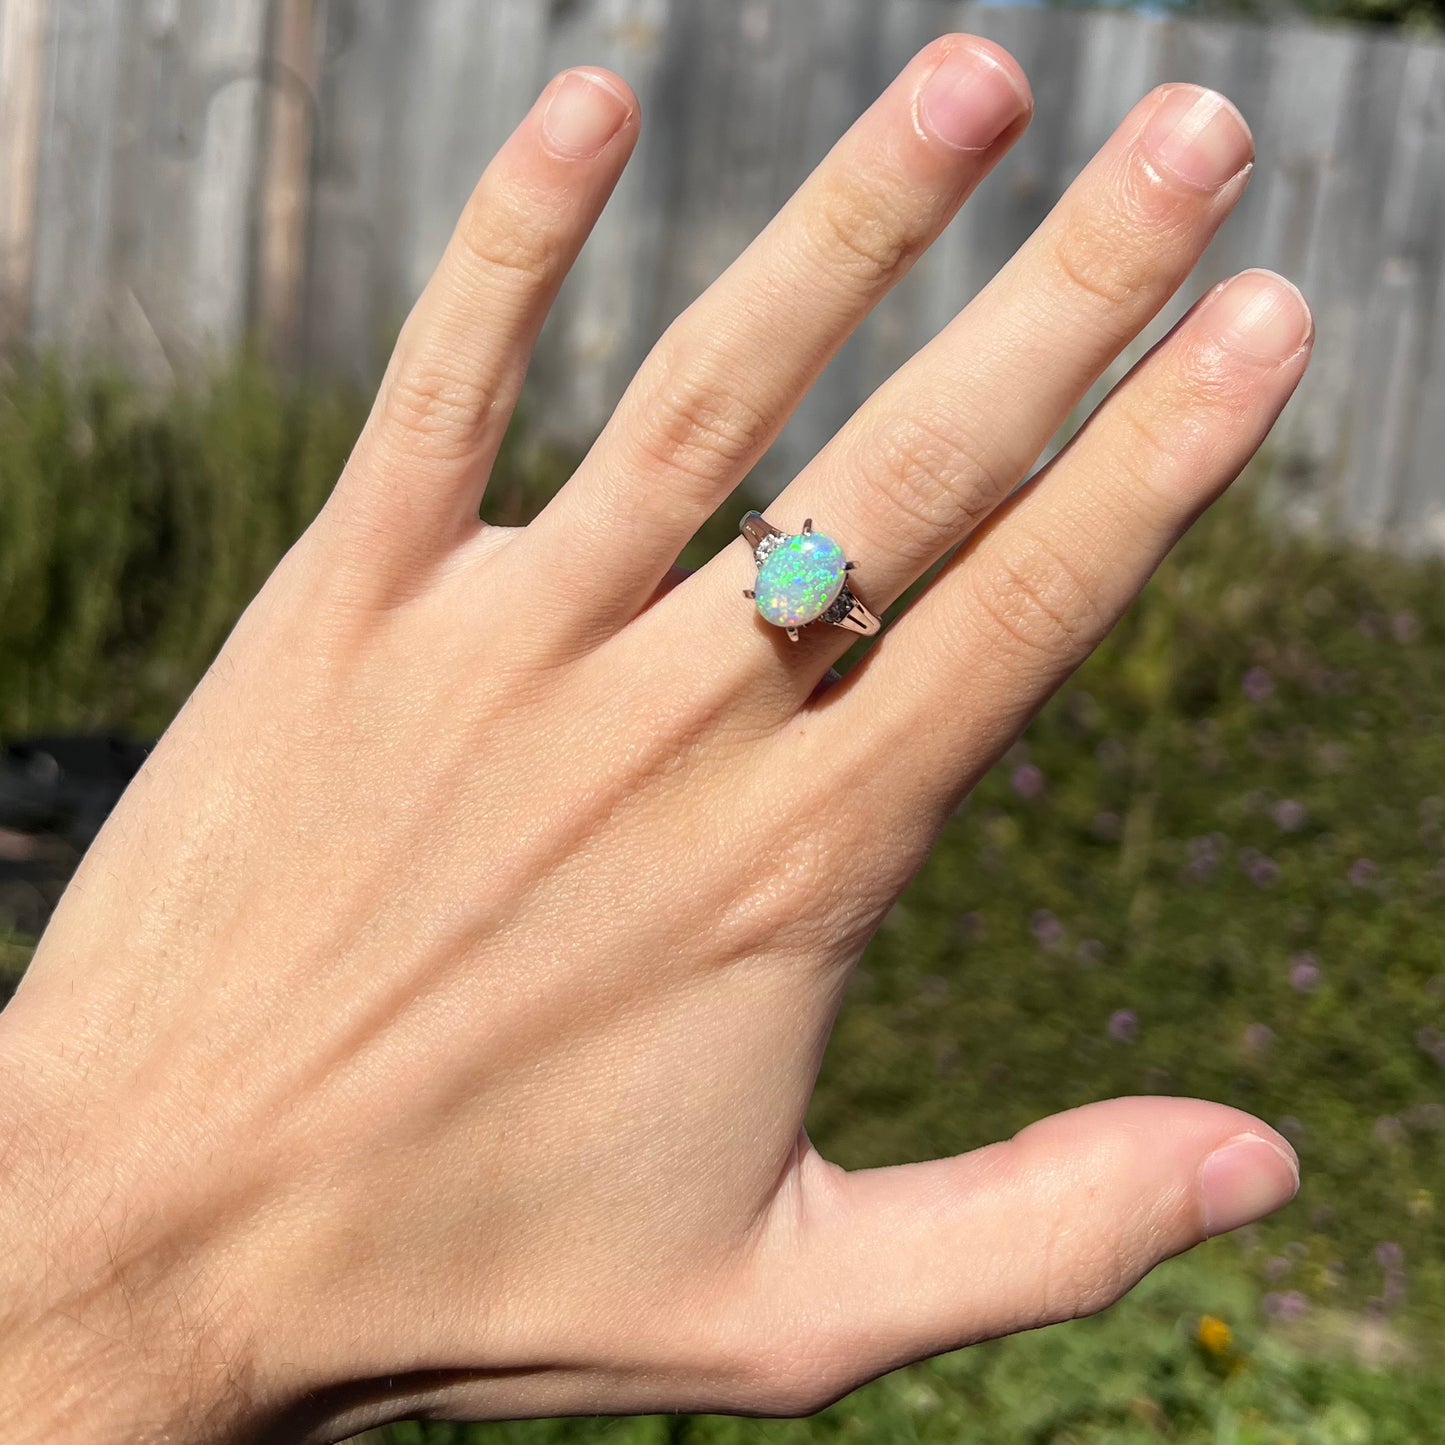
point(432, 1027)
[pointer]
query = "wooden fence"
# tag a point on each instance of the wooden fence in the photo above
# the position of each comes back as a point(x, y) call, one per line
point(178, 174)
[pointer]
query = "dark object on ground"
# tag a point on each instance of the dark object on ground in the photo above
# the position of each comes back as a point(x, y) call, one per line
point(55, 792)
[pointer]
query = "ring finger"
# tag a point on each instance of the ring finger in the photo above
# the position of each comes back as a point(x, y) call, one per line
point(1052, 570)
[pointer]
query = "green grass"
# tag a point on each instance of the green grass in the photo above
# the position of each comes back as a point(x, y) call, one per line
point(1224, 836)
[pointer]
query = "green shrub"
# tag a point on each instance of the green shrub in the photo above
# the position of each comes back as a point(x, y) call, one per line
point(1211, 867)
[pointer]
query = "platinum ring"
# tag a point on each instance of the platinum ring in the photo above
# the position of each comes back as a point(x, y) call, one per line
point(802, 578)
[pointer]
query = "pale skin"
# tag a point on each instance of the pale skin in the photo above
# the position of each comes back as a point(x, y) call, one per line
point(431, 1029)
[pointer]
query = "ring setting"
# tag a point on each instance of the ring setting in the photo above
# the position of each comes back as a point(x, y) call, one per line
point(803, 578)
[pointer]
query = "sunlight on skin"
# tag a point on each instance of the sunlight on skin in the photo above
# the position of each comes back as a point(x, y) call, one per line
point(432, 1026)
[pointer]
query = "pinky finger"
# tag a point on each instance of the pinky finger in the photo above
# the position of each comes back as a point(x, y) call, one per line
point(1042, 583)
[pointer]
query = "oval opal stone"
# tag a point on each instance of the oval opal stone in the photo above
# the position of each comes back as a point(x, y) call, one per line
point(800, 579)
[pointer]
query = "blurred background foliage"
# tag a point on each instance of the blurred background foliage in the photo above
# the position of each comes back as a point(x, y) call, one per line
point(1420, 17)
point(1211, 867)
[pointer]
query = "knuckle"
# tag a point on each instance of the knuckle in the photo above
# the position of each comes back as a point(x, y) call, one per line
point(1209, 379)
point(1084, 1259)
point(508, 250)
point(1164, 437)
point(1115, 253)
point(1090, 253)
point(1150, 457)
point(1083, 1272)
point(931, 476)
point(857, 234)
point(1037, 598)
point(438, 410)
point(696, 429)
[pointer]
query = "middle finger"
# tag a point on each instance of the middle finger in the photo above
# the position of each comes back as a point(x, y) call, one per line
point(726, 375)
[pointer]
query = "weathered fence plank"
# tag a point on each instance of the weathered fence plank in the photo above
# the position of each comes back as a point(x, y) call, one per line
point(24, 28)
point(174, 176)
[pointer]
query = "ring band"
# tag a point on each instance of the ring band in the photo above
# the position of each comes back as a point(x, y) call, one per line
point(803, 578)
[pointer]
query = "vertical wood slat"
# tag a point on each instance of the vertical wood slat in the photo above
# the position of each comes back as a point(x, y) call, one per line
point(286, 191)
point(144, 304)
point(73, 192)
point(226, 89)
point(176, 173)
point(1422, 479)
point(352, 288)
point(23, 53)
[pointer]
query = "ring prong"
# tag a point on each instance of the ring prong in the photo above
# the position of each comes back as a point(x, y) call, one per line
point(748, 592)
point(807, 525)
point(849, 566)
point(792, 634)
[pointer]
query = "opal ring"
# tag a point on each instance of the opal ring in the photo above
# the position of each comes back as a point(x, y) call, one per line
point(803, 578)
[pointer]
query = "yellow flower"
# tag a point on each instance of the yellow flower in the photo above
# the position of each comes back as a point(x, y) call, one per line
point(1214, 1335)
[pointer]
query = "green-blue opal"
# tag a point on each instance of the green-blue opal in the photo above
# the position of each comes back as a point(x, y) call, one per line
point(800, 579)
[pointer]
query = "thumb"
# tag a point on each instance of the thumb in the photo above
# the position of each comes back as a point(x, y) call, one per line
point(891, 1265)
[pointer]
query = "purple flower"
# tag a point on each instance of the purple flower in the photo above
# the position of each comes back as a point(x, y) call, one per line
point(1258, 684)
point(1028, 781)
point(1290, 815)
point(1091, 952)
point(1046, 929)
point(1362, 871)
point(1276, 1268)
point(1288, 1305)
point(1262, 870)
point(1389, 1255)
point(1292, 1128)
point(1304, 973)
point(1258, 1038)
point(1203, 859)
point(1124, 1026)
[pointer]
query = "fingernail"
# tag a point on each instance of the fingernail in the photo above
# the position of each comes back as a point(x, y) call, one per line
point(1244, 1180)
point(583, 115)
point(1198, 136)
point(1261, 315)
point(970, 100)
